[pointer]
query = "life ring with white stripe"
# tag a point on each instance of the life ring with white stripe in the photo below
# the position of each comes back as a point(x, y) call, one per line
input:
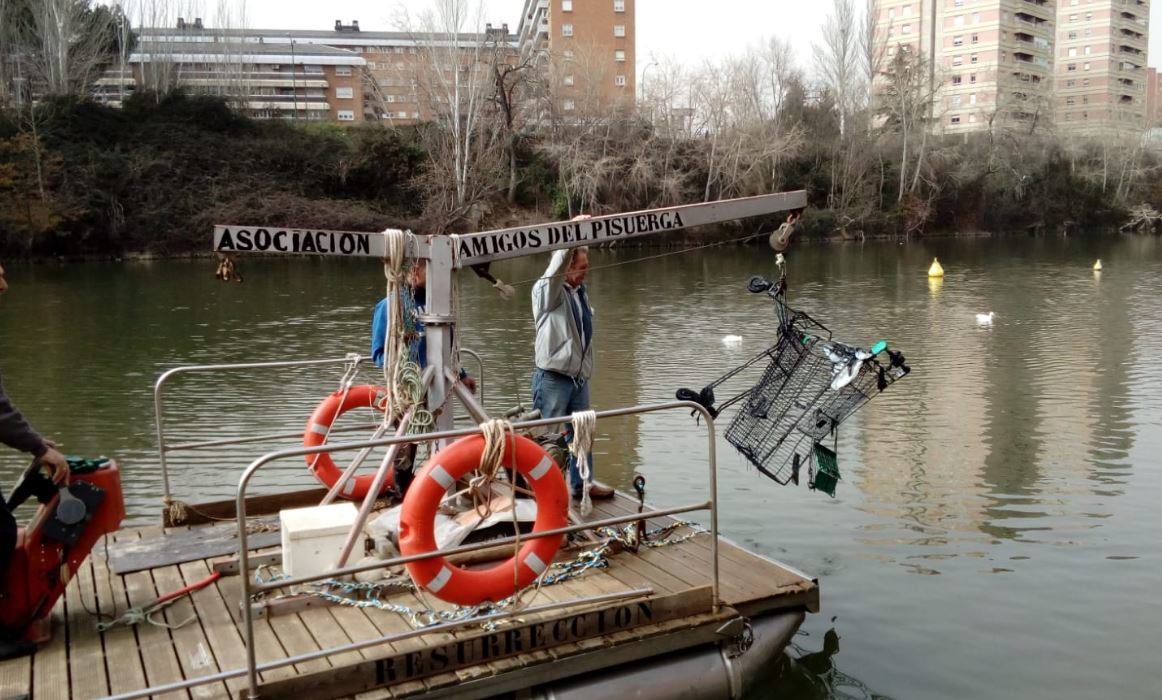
point(417, 521)
point(319, 424)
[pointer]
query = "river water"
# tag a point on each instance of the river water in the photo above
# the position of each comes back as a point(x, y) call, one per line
point(996, 532)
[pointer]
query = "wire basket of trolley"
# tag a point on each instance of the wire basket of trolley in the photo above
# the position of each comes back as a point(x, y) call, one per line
point(810, 385)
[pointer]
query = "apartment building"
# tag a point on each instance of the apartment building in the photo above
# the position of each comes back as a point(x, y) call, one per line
point(396, 74)
point(1101, 74)
point(990, 60)
point(269, 80)
point(586, 49)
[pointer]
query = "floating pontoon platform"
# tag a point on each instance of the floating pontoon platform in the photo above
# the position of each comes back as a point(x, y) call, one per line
point(532, 651)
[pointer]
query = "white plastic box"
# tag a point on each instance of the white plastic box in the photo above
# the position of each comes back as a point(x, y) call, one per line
point(313, 537)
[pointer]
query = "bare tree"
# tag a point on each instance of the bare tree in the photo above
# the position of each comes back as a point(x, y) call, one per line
point(68, 42)
point(837, 60)
point(455, 79)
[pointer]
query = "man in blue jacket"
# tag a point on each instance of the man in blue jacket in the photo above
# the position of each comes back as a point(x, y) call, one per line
point(17, 434)
point(414, 300)
point(564, 347)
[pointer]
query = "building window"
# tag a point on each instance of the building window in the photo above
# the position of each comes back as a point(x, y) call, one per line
point(972, 118)
point(972, 77)
point(972, 59)
point(907, 10)
point(344, 93)
point(954, 100)
point(958, 3)
point(619, 5)
point(390, 98)
point(957, 60)
point(1088, 31)
point(954, 120)
point(1072, 18)
point(411, 49)
point(976, 38)
point(907, 29)
point(892, 13)
point(1088, 50)
point(370, 66)
point(342, 70)
point(1085, 66)
point(566, 30)
point(568, 81)
point(972, 99)
point(399, 49)
point(568, 54)
point(958, 21)
point(1070, 83)
point(619, 56)
point(346, 115)
point(1085, 82)
point(1072, 53)
point(956, 80)
point(619, 30)
point(619, 80)
point(569, 105)
point(403, 115)
point(976, 18)
point(957, 40)
point(566, 5)
point(1071, 66)
point(1069, 101)
point(1071, 35)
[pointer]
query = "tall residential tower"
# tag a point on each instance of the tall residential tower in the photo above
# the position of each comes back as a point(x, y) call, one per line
point(1101, 65)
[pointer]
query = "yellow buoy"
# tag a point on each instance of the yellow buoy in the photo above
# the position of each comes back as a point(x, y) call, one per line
point(935, 270)
point(1097, 265)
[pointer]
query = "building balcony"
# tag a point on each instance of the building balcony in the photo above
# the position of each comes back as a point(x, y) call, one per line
point(1130, 50)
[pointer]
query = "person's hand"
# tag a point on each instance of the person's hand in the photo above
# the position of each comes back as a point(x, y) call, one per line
point(470, 382)
point(56, 464)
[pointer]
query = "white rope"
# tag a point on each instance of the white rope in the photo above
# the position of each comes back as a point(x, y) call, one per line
point(584, 425)
point(395, 347)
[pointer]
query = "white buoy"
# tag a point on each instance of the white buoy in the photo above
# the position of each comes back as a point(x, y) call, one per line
point(985, 319)
point(732, 341)
point(1097, 265)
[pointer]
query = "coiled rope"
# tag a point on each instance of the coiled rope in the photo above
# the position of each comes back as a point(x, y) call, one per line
point(584, 425)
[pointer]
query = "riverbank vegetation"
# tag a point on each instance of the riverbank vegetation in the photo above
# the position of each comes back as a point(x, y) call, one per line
point(77, 177)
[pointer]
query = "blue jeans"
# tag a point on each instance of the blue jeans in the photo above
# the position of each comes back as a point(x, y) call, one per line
point(558, 395)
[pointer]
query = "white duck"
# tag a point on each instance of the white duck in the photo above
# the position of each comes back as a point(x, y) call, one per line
point(985, 319)
point(732, 341)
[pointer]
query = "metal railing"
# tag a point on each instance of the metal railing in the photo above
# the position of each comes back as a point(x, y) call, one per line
point(164, 448)
point(249, 587)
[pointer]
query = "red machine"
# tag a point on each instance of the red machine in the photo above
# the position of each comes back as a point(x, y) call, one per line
point(54, 544)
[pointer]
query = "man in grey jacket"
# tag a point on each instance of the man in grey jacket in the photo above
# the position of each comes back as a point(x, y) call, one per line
point(17, 434)
point(564, 346)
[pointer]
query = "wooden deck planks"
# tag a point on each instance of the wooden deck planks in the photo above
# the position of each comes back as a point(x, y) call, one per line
point(16, 677)
point(50, 665)
point(214, 641)
point(88, 678)
point(190, 643)
point(122, 658)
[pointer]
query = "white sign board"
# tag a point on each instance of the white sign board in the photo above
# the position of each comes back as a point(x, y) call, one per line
point(268, 239)
point(474, 248)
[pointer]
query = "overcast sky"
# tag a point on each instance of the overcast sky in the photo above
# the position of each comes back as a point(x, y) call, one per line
point(687, 29)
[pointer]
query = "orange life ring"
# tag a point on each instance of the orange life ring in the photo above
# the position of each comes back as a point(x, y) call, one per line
point(417, 521)
point(325, 414)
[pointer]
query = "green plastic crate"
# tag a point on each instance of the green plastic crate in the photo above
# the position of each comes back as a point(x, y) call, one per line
point(826, 470)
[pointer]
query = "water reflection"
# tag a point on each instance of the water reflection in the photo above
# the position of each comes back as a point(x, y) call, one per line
point(814, 675)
